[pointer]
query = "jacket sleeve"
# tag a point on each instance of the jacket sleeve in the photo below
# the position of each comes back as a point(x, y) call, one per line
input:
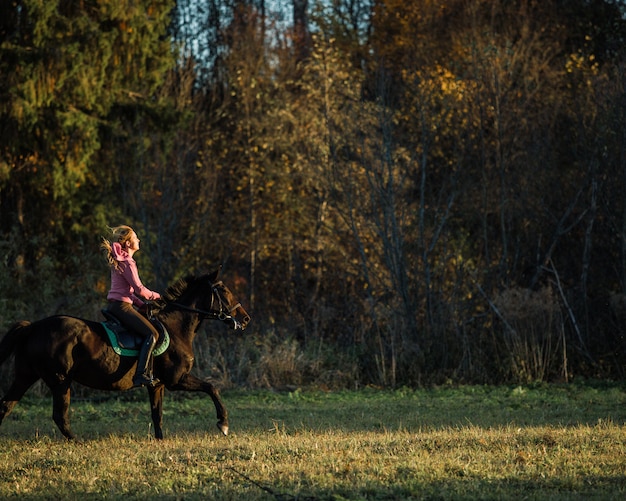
point(132, 277)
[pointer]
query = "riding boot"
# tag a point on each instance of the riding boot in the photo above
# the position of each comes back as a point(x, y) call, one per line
point(143, 376)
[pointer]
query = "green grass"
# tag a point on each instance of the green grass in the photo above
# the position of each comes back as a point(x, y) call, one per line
point(539, 442)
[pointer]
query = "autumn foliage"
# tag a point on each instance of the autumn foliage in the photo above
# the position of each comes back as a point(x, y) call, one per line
point(405, 191)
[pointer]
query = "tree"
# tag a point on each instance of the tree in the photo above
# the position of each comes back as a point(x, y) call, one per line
point(74, 72)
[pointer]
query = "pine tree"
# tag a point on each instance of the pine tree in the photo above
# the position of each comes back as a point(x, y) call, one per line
point(71, 71)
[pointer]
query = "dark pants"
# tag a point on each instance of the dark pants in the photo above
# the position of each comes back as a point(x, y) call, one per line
point(132, 319)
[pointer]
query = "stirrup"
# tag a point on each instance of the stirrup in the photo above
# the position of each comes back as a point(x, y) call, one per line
point(143, 380)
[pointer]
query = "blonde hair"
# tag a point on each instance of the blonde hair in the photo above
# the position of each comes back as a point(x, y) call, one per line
point(121, 234)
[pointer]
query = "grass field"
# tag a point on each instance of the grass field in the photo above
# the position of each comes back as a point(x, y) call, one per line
point(539, 442)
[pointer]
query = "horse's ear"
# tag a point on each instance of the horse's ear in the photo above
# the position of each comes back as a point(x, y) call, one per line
point(213, 276)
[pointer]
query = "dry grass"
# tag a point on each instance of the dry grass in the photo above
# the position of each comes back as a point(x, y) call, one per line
point(534, 336)
point(445, 444)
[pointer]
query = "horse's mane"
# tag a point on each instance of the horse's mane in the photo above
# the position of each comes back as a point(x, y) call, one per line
point(176, 290)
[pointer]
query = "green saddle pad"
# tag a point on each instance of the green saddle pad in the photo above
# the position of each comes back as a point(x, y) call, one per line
point(159, 349)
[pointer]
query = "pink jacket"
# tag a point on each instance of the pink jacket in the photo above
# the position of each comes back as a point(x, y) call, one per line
point(125, 283)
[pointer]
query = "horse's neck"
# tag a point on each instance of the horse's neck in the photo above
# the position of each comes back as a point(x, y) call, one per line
point(181, 324)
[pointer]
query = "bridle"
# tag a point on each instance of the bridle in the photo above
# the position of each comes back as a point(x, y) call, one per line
point(223, 312)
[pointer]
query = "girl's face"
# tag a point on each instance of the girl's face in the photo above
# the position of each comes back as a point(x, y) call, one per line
point(132, 244)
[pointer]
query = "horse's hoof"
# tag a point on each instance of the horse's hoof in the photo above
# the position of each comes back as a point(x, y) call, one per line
point(223, 428)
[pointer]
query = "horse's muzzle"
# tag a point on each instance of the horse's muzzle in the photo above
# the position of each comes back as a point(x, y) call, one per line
point(245, 318)
point(234, 324)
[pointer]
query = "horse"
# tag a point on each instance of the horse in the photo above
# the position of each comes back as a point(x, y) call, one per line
point(62, 349)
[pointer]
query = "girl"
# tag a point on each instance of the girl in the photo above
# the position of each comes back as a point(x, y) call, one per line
point(125, 293)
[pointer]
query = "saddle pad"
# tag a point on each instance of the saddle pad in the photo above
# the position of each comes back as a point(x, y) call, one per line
point(130, 352)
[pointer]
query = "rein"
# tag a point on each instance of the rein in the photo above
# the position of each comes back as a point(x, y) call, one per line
point(224, 314)
point(211, 315)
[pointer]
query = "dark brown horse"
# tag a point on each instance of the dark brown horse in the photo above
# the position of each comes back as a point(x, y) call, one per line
point(62, 349)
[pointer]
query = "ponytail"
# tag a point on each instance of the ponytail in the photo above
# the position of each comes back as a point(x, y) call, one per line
point(106, 248)
point(121, 234)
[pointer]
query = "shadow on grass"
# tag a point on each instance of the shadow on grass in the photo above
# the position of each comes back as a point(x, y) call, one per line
point(414, 410)
point(357, 411)
point(583, 488)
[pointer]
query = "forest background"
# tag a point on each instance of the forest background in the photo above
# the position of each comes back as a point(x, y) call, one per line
point(400, 192)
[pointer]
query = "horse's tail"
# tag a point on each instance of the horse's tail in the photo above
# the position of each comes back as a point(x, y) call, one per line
point(10, 339)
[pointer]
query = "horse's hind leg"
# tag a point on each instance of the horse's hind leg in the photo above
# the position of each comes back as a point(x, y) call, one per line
point(60, 401)
point(20, 385)
point(60, 408)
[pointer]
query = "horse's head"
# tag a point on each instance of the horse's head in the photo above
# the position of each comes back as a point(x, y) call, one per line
point(230, 310)
point(209, 298)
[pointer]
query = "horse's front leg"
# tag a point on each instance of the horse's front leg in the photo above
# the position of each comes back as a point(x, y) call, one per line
point(60, 408)
point(156, 408)
point(193, 383)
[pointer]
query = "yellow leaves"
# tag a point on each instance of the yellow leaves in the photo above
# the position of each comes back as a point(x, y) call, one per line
point(5, 171)
point(436, 81)
point(583, 67)
point(579, 62)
